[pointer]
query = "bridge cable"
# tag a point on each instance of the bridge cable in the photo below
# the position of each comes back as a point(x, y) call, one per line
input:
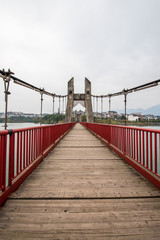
point(41, 93)
point(101, 105)
point(97, 106)
point(63, 105)
point(59, 110)
point(65, 99)
point(53, 105)
point(125, 107)
point(93, 103)
point(109, 109)
point(16, 80)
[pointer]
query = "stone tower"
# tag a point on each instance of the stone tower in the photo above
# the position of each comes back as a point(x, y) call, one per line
point(86, 98)
point(70, 100)
point(88, 101)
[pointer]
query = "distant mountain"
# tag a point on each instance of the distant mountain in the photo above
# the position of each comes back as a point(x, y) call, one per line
point(155, 110)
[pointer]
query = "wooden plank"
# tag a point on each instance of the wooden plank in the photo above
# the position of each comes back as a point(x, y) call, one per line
point(91, 218)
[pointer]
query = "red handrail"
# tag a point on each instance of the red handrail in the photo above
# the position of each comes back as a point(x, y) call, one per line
point(140, 147)
point(21, 150)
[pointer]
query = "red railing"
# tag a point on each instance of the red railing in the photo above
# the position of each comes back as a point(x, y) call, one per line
point(21, 150)
point(140, 147)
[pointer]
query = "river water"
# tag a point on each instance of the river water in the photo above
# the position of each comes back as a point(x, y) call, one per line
point(19, 125)
point(152, 127)
point(25, 125)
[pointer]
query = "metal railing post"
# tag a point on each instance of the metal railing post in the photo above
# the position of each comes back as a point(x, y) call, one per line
point(53, 105)
point(97, 106)
point(41, 105)
point(59, 109)
point(101, 106)
point(125, 107)
point(6, 79)
point(109, 109)
point(62, 105)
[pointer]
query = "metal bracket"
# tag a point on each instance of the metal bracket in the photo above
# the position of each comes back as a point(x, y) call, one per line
point(10, 132)
point(6, 79)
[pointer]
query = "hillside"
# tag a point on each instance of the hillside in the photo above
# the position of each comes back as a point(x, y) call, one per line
point(154, 110)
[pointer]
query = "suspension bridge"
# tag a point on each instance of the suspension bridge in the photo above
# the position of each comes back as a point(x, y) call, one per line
point(79, 180)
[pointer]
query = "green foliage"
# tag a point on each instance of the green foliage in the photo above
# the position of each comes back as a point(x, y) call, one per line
point(51, 119)
point(83, 118)
point(122, 122)
point(73, 119)
point(123, 117)
point(18, 119)
point(59, 118)
point(102, 120)
point(47, 119)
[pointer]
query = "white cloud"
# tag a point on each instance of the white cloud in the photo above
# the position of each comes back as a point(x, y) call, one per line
point(114, 43)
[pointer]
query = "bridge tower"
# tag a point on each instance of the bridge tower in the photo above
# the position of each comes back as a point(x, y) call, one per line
point(82, 97)
point(70, 100)
point(88, 101)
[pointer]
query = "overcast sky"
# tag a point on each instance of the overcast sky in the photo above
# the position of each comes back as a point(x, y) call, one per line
point(114, 43)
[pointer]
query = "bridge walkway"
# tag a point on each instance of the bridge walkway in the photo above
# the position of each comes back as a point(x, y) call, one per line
point(82, 190)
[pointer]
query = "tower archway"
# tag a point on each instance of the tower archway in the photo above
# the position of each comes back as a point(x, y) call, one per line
point(80, 97)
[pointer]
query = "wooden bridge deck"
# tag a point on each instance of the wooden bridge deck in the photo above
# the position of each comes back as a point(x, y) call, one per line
point(82, 191)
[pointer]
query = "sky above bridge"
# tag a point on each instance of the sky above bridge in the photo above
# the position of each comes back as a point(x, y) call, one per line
point(114, 43)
